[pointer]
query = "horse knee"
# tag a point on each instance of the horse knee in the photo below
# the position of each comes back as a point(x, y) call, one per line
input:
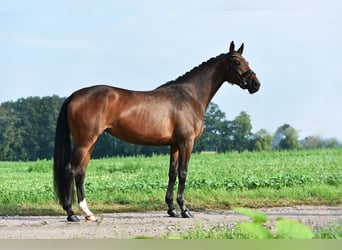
point(182, 176)
point(172, 177)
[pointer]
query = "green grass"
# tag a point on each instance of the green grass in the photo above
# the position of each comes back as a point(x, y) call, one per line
point(215, 181)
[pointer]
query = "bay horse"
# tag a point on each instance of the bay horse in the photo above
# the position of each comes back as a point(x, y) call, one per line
point(172, 114)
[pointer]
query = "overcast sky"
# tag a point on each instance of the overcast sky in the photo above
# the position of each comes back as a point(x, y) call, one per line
point(57, 47)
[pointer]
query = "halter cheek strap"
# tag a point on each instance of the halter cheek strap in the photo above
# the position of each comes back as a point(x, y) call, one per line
point(244, 77)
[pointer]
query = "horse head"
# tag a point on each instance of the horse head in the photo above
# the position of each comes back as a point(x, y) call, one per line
point(239, 71)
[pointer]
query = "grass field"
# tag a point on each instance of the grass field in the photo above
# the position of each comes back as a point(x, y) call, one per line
point(215, 181)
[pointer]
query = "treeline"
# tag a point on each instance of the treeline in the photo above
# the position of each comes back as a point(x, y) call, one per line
point(27, 131)
point(222, 135)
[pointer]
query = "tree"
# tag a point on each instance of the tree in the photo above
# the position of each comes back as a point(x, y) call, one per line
point(331, 143)
point(38, 122)
point(241, 131)
point(27, 128)
point(315, 141)
point(262, 140)
point(312, 142)
point(215, 134)
point(11, 137)
point(286, 137)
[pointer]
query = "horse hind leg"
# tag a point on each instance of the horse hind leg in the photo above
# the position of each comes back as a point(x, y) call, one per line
point(69, 191)
point(82, 157)
point(82, 203)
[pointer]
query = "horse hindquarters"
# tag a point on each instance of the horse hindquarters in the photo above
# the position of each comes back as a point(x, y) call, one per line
point(72, 165)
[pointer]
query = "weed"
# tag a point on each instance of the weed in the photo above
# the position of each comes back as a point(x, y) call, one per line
point(256, 229)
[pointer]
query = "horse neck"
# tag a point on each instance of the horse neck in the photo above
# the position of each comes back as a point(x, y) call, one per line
point(206, 81)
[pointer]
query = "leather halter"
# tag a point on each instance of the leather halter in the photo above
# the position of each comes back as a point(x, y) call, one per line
point(242, 77)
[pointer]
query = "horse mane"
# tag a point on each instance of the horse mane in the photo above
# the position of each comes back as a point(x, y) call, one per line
point(193, 71)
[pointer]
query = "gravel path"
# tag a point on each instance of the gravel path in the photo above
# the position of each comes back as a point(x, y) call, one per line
point(152, 224)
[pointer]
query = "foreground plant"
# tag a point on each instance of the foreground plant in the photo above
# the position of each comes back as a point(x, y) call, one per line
point(285, 228)
point(256, 229)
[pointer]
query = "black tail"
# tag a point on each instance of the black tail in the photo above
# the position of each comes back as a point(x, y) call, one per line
point(62, 152)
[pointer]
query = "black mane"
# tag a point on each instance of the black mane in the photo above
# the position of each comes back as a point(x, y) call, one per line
point(190, 73)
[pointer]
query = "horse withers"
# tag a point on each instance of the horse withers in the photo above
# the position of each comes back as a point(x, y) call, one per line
point(172, 114)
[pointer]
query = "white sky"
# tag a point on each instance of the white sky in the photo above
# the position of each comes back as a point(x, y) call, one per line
point(295, 48)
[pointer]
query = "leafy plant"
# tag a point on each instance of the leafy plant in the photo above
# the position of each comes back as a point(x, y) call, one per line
point(285, 228)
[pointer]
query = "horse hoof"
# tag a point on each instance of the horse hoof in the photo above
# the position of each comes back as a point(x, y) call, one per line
point(172, 213)
point(73, 218)
point(90, 218)
point(186, 214)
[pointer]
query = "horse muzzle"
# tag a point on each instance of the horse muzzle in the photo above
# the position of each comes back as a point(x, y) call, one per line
point(253, 85)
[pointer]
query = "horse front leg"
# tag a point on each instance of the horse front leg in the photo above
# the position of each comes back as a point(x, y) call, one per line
point(172, 179)
point(184, 157)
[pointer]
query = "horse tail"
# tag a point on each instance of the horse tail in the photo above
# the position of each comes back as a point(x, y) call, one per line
point(62, 152)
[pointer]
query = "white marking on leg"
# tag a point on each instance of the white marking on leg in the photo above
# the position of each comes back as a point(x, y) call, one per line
point(84, 207)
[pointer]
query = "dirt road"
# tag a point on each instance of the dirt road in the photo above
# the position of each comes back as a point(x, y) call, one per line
point(152, 224)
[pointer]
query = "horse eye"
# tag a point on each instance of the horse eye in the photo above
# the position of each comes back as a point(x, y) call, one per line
point(234, 64)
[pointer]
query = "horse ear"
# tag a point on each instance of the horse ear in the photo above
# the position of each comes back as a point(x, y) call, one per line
point(240, 50)
point(232, 47)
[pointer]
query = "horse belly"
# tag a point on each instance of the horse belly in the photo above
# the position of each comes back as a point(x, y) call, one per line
point(145, 130)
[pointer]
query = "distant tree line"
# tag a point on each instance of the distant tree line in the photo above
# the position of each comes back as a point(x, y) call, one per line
point(27, 131)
